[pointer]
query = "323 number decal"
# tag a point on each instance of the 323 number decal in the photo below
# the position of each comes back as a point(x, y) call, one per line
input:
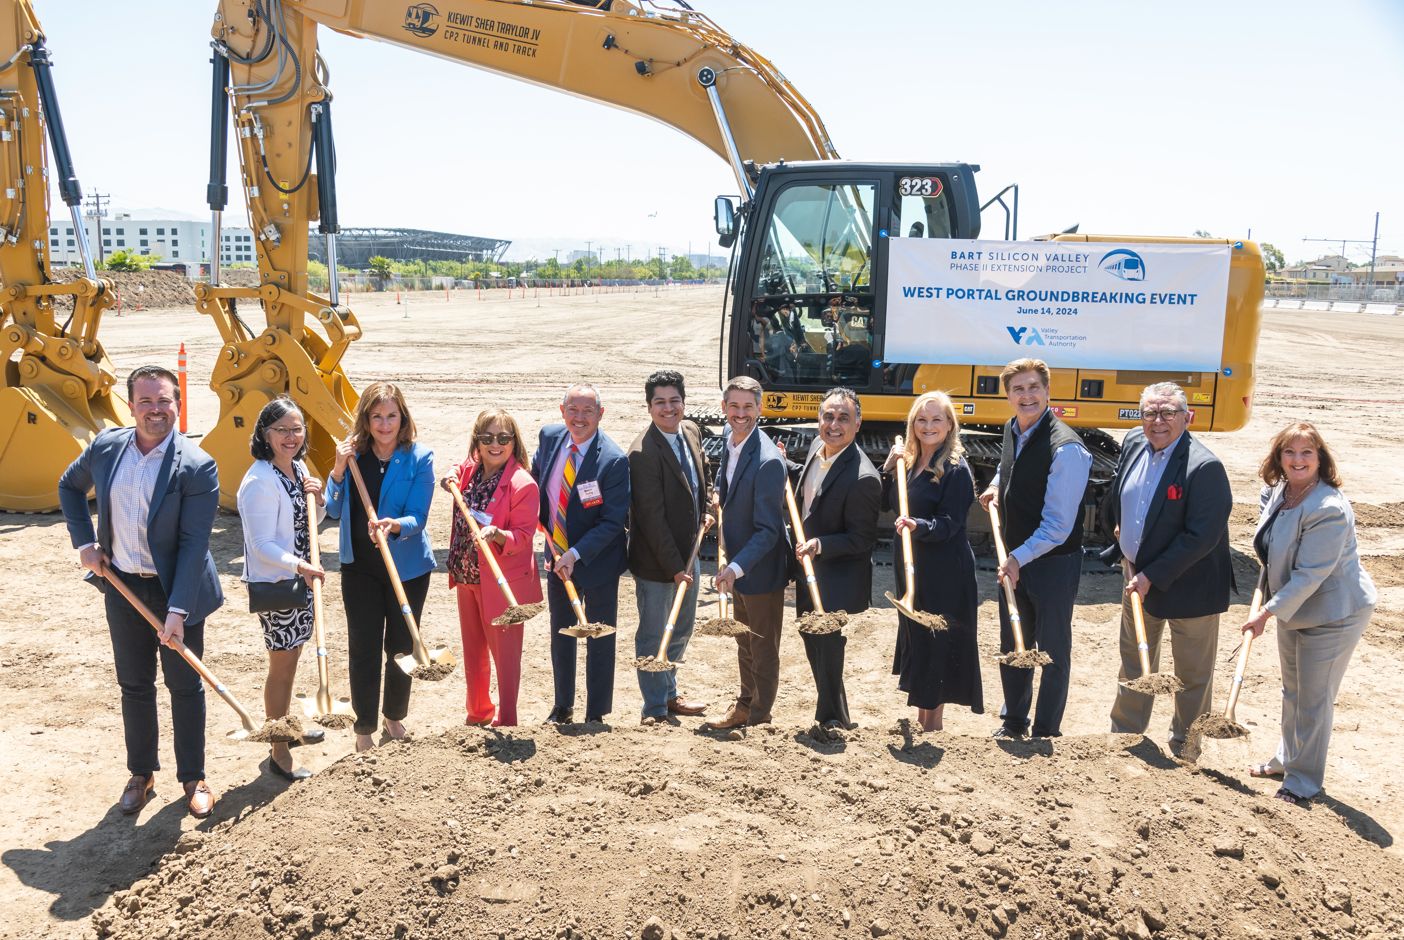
point(928, 186)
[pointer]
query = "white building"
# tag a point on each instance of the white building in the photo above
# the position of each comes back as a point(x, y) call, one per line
point(167, 239)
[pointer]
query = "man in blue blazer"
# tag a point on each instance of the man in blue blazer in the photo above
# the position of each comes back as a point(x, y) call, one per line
point(751, 488)
point(157, 495)
point(1169, 505)
point(583, 476)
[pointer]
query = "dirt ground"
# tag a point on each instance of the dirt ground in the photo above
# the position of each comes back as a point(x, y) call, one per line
point(593, 831)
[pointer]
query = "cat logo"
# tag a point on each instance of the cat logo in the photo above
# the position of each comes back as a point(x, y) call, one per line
point(776, 401)
point(968, 408)
point(420, 19)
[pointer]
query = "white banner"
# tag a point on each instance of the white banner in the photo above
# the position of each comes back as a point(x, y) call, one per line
point(1089, 305)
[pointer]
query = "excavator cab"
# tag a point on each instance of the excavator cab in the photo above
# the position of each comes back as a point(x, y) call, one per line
point(810, 265)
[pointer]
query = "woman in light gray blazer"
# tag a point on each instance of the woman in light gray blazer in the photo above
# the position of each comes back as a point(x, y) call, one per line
point(273, 507)
point(1321, 596)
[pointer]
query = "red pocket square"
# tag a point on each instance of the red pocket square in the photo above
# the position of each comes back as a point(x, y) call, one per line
point(1174, 491)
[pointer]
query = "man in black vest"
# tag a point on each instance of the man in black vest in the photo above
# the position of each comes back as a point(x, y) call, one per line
point(840, 496)
point(1042, 476)
point(1170, 505)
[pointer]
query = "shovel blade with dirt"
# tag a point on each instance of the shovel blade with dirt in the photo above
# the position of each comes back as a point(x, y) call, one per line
point(817, 621)
point(1225, 727)
point(1148, 683)
point(1020, 657)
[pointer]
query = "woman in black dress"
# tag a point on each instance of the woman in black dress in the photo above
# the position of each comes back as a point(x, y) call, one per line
point(936, 668)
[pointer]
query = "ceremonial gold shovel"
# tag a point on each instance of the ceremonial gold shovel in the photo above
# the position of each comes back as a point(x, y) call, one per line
point(725, 622)
point(422, 663)
point(1148, 683)
point(906, 604)
point(326, 711)
point(1225, 726)
point(817, 621)
point(277, 731)
point(660, 662)
point(515, 613)
point(584, 629)
point(1021, 658)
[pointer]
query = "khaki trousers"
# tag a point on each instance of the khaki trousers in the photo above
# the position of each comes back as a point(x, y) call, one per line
point(758, 656)
point(1194, 642)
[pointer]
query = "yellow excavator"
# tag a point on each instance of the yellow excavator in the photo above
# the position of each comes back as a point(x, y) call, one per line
point(810, 237)
point(58, 387)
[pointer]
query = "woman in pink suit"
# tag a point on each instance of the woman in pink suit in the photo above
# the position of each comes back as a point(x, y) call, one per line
point(499, 490)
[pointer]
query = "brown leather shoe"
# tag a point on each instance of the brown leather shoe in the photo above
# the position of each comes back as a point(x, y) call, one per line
point(139, 789)
point(736, 718)
point(681, 706)
point(200, 798)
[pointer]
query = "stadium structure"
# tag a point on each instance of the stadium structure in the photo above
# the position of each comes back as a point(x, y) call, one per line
point(356, 246)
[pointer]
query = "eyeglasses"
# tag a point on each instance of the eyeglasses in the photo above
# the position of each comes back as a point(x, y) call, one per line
point(1161, 414)
point(289, 432)
point(503, 439)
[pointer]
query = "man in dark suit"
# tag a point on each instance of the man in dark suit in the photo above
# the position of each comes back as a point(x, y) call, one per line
point(157, 494)
point(584, 481)
point(1169, 505)
point(751, 487)
point(840, 495)
point(668, 498)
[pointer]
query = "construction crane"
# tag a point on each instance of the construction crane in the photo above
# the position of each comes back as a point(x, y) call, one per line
point(57, 391)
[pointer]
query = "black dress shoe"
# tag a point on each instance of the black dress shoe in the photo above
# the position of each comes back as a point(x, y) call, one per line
point(1006, 733)
point(294, 775)
point(310, 736)
point(561, 716)
point(594, 719)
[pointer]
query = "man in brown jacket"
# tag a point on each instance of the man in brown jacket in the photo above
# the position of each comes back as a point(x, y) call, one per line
point(669, 497)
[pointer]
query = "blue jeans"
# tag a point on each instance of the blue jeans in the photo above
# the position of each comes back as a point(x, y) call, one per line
point(655, 602)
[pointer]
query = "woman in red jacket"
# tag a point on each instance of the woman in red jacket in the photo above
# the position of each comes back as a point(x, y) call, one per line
point(499, 490)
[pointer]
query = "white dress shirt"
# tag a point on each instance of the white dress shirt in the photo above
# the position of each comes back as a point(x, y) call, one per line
point(133, 484)
point(733, 457)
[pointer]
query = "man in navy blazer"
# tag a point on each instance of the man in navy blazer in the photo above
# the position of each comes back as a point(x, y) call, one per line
point(583, 476)
point(751, 489)
point(157, 494)
point(1170, 504)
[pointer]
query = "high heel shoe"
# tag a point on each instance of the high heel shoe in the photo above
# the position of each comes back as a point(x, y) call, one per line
point(294, 775)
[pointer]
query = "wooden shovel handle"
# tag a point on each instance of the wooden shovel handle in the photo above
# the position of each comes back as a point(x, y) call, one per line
point(908, 560)
point(319, 640)
point(1138, 617)
point(723, 598)
point(798, 525)
point(679, 591)
point(1001, 555)
point(184, 652)
point(575, 603)
point(421, 655)
point(484, 551)
point(1236, 686)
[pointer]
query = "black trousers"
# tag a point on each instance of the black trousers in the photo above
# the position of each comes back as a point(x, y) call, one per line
point(375, 635)
point(1045, 595)
point(825, 652)
point(135, 651)
point(601, 606)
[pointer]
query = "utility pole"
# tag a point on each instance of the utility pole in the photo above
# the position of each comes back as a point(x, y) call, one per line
point(97, 201)
point(1373, 242)
point(588, 254)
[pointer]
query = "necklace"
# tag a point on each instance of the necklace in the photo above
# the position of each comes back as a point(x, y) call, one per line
point(383, 465)
point(1290, 501)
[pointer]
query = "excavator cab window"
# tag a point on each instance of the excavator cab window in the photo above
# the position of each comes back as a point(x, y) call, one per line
point(923, 210)
point(811, 317)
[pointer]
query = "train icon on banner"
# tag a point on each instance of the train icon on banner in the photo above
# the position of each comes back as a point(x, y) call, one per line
point(1125, 264)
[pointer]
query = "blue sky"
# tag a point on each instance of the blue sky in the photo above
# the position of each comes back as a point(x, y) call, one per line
point(1282, 118)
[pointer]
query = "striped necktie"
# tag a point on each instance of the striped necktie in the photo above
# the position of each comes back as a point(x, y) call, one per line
point(558, 521)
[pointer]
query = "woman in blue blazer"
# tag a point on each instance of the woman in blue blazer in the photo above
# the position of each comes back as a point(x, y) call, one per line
point(399, 475)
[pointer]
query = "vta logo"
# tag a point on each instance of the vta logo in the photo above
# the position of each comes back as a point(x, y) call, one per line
point(1125, 264)
point(420, 19)
point(1025, 335)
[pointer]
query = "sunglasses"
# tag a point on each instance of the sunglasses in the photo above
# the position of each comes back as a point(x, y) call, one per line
point(503, 439)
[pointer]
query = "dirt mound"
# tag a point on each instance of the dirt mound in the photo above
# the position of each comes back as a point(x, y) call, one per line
point(147, 289)
point(1390, 515)
point(661, 833)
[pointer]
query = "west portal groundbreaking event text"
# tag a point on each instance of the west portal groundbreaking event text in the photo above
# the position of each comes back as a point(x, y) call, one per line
point(1086, 305)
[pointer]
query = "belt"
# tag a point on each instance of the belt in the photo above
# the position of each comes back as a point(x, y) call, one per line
point(133, 574)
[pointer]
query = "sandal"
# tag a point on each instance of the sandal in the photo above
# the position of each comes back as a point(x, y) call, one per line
point(1290, 798)
point(1264, 770)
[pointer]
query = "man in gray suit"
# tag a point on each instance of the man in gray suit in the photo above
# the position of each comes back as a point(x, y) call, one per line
point(1170, 504)
point(157, 495)
point(751, 488)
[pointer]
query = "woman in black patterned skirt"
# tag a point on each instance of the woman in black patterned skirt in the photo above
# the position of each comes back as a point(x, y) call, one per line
point(943, 667)
point(273, 506)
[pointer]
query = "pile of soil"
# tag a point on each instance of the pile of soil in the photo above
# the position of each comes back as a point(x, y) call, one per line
point(149, 289)
point(657, 833)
